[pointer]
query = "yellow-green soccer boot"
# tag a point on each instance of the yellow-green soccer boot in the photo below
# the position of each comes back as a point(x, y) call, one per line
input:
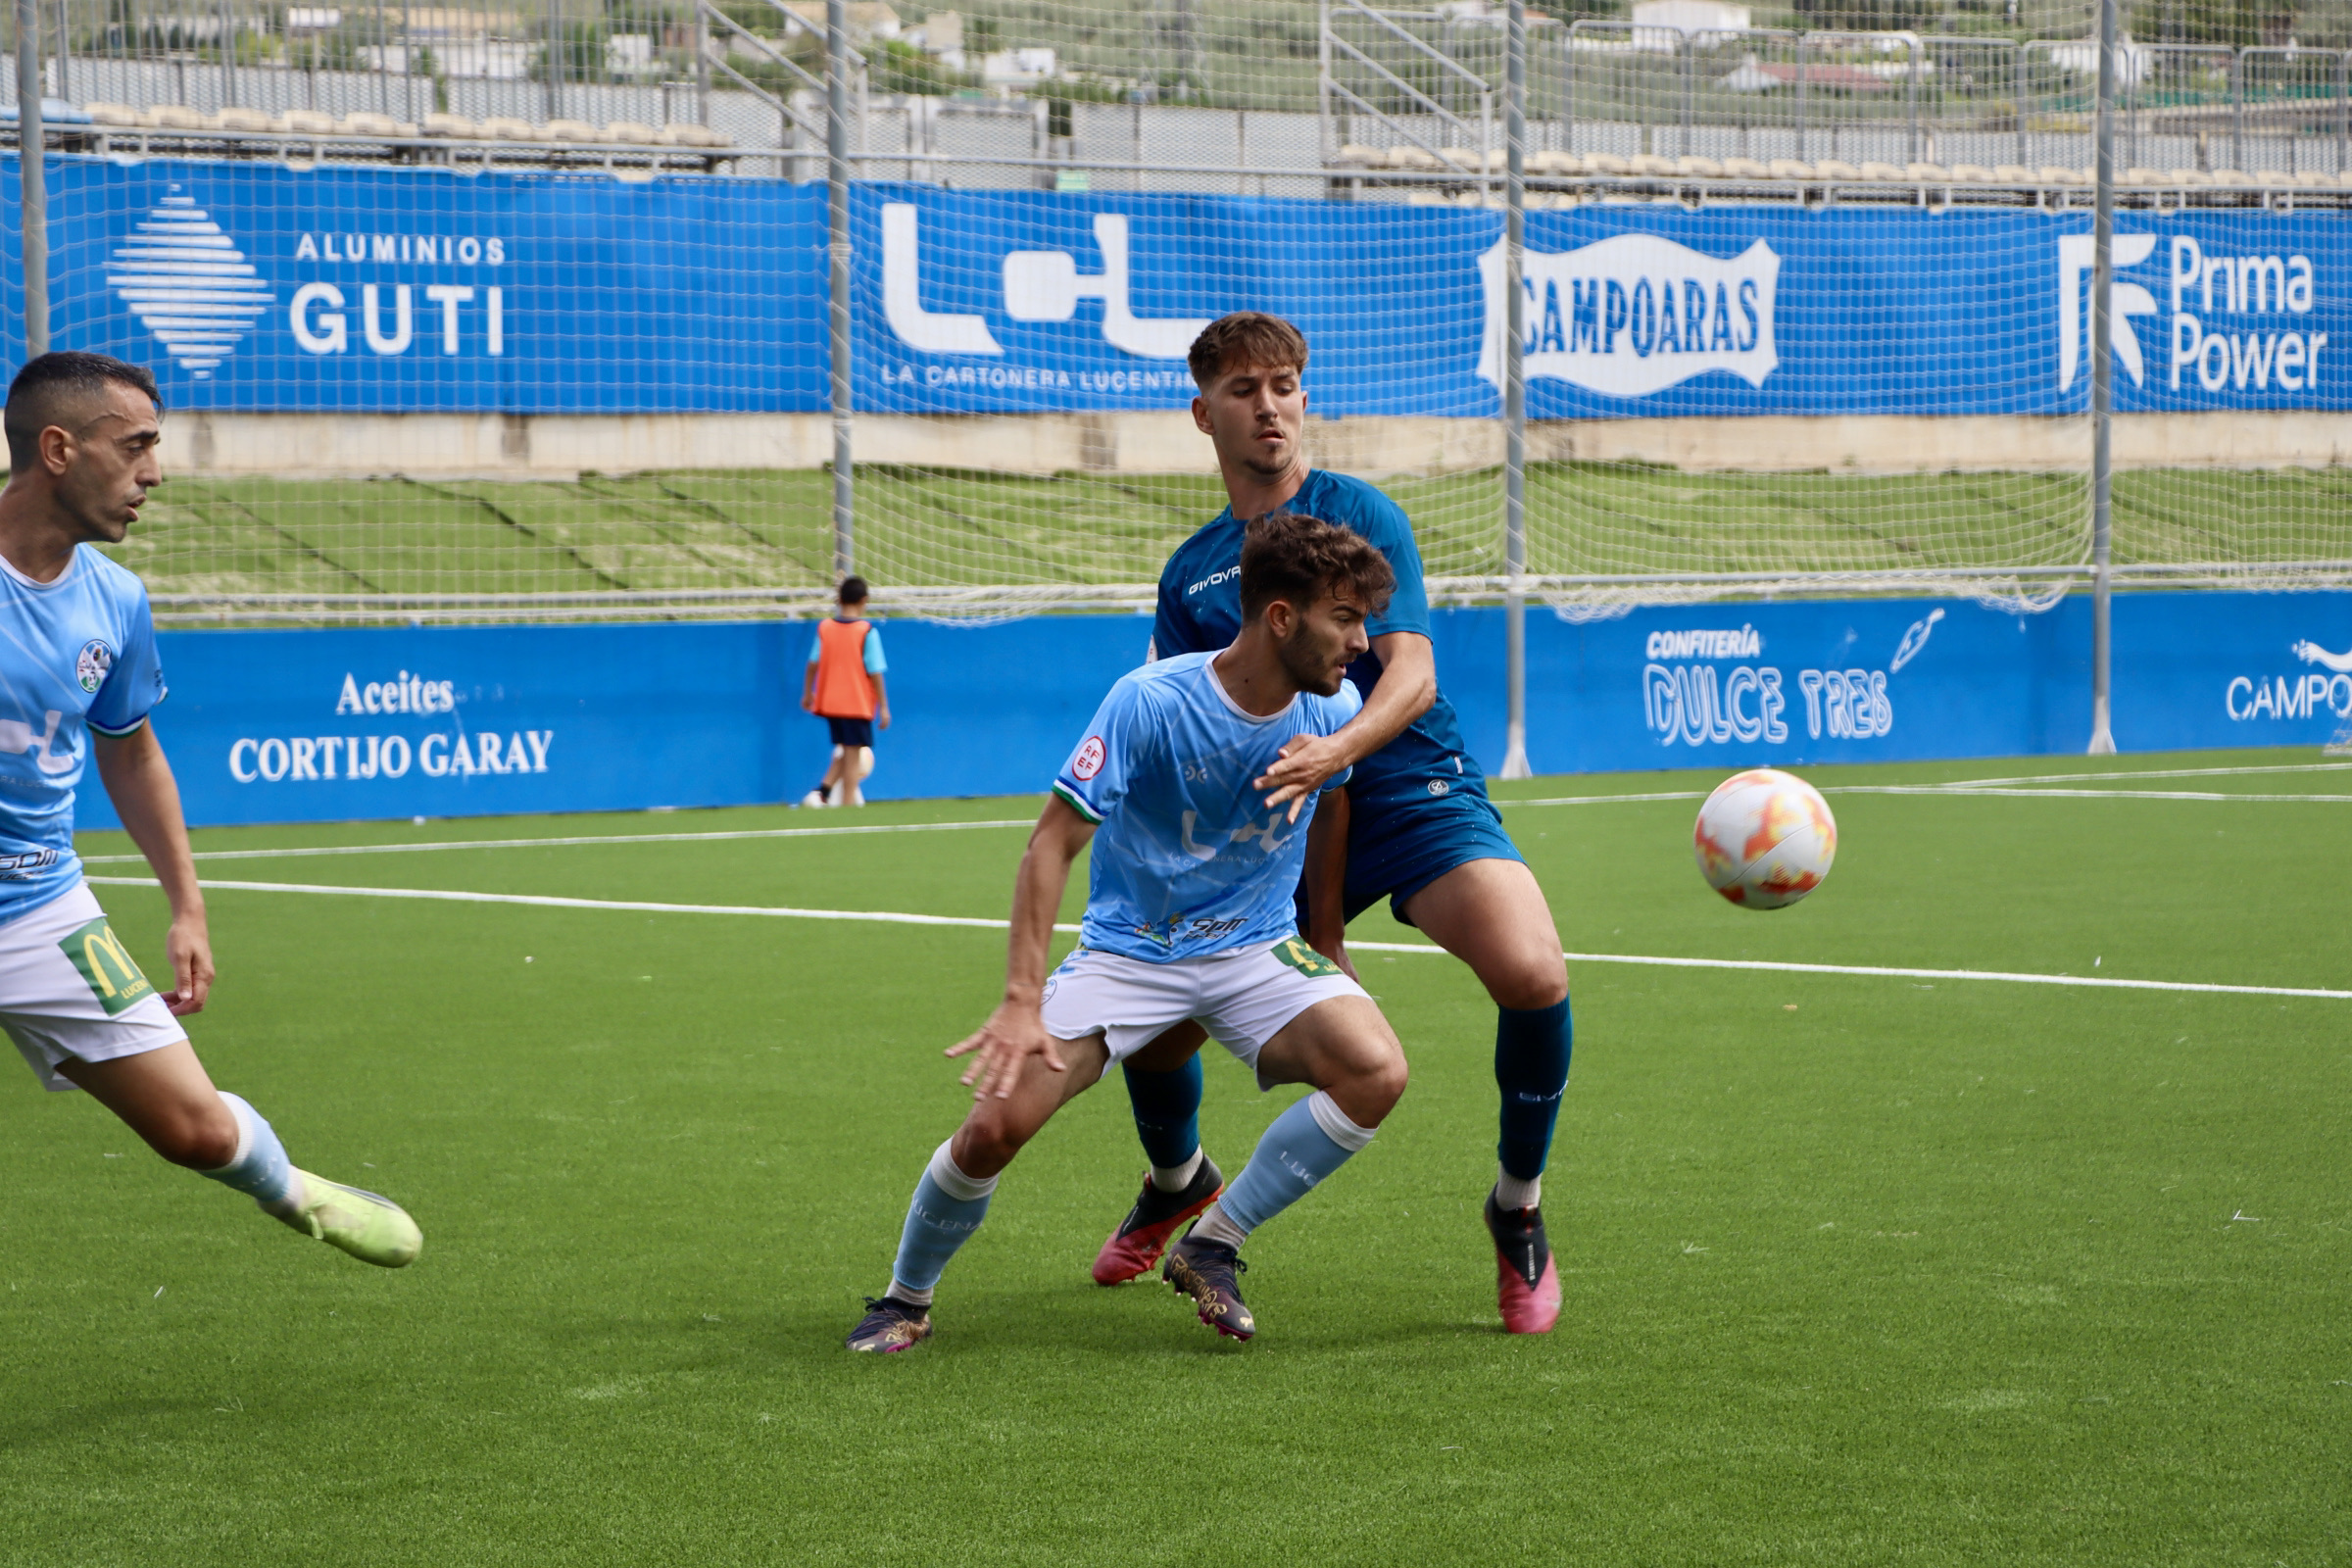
point(370, 1227)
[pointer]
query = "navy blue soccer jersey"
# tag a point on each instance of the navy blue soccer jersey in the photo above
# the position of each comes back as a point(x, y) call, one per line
point(1201, 610)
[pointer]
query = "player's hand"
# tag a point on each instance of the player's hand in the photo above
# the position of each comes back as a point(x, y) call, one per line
point(1336, 949)
point(1013, 1033)
point(190, 950)
point(1306, 763)
point(882, 719)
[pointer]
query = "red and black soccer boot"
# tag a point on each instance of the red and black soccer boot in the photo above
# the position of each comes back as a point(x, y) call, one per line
point(1205, 1272)
point(1135, 1247)
point(1527, 1282)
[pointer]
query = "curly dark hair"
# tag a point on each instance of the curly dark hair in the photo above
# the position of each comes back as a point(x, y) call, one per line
point(1299, 559)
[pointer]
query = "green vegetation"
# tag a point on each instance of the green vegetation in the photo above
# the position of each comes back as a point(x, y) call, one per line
point(1857, 1269)
point(923, 526)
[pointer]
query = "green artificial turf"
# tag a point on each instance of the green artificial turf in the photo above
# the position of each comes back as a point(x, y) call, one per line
point(930, 527)
point(1856, 1269)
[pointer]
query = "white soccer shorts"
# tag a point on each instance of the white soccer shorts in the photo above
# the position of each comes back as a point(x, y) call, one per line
point(1243, 997)
point(70, 992)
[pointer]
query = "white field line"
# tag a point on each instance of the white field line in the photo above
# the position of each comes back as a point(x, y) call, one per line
point(532, 844)
point(892, 918)
point(1950, 792)
point(2079, 795)
point(1952, 787)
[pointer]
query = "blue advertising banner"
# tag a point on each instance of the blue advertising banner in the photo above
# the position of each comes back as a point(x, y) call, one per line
point(248, 285)
point(299, 727)
point(1022, 302)
point(336, 725)
point(251, 286)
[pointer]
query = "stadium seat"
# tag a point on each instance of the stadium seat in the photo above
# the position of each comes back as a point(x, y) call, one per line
point(2190, 176)
point(172, 117)
point(456, 125)
point(362, 122)
point(1408, 156)
point(1745, 169)
point(2313, 180)
point(1791, 168)
point(1604, 163)
point(1698, 167)
point(1357, 155)
point(237, 119)
point(2136, 176)
point(1835, 169)
point(2274, 178)
point(685, 133)
point(630, 133)
point(2012, 175)
point(499, 127)
point(113, 115)
point(1934, 174)
point(1974, 175)
point(1654, 164)
point(570, 130)
point(1555, 164)
point(1883, 171)
point(2054, 174)
point(305, 123)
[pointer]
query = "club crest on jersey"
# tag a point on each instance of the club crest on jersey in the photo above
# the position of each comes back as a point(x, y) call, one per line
point(92, 667)
point(1089, 761)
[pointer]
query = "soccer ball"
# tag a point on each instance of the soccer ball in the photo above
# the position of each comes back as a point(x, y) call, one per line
point(1765, 838)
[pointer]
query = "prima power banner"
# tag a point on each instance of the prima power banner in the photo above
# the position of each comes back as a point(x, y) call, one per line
point(252, 286)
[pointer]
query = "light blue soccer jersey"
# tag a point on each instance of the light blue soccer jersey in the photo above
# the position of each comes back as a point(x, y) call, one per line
point(75, 654)
point(1189, 860)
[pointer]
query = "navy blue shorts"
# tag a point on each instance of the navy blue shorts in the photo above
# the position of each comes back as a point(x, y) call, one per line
point(1400, 845)
point(853, 731)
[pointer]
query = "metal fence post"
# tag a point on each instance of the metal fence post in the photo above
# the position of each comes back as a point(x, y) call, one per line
point(1514, 393)
point(1802, 40)
point(2102, 396)
point(837, 249)
point(32, 175)
point(2237, 109)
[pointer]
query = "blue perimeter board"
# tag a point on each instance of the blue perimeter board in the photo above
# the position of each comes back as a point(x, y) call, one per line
point(423, 290)
point(584, 718)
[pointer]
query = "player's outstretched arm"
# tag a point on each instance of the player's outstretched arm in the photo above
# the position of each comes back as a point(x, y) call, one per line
point(1407, 685)
point(1015, 1032)
point(1326, 877)
point(138, 780)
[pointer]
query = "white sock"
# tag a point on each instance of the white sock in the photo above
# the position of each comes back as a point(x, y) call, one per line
point(909, 1295)
point(1176, 1178)
point(1512, 1192)
point(1213, 1226)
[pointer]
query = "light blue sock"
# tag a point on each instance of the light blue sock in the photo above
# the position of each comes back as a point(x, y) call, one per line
point(260, 1169)
point(1305, 1143)
point(948, 1207)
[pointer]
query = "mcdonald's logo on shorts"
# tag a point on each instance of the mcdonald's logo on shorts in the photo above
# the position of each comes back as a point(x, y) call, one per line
point(115, 980)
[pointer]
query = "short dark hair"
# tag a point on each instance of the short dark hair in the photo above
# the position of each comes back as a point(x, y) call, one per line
point(38, 396)
point(853, 590)
point(1293, 557)
point(1246, 337)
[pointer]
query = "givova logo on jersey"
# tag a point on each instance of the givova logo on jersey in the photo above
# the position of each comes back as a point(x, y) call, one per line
point(1636, 314)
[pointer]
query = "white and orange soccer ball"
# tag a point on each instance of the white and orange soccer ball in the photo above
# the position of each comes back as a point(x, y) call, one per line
point(1765, 838)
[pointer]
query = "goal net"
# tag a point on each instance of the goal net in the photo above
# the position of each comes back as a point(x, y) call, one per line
point(466, 315)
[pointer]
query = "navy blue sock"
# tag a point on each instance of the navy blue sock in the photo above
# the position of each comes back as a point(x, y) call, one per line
point(1530, 1067)
point(1167, 1110)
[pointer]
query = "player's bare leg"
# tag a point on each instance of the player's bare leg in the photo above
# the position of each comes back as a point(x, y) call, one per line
point(1345, 1049)
point(953, 1196)
point(1491, 915)
point(166, 1097)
